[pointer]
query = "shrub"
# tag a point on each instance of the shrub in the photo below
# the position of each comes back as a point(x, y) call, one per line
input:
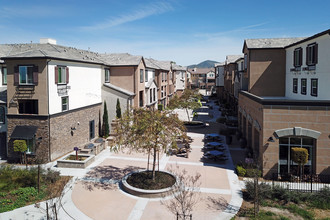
point(253, 173)
point(160, 107)
point(51, 176)
point(240, 170)
point(263, 190)
point(321, 199)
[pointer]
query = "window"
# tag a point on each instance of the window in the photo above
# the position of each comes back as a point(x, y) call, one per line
point(303, 86)
point(61, 75)
point(245, 61)
point(91, 129)
point(311, 54)
point(141, 75)
point(150, 96)
point(141, 98)
point(65, 103)
point(28, 106)
point(146, 76)
point(106, 75)
point(25, 74)
point(4, 76)
point(314, 87)
point(154, 94)
point(2, 115)
point(297, 57)
point(295, 85)
point(30, 146)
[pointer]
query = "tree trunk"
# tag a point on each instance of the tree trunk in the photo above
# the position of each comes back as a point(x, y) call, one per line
point(188, 114)
point(154, 164)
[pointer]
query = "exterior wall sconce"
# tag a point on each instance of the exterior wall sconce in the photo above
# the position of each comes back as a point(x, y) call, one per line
point(270, 139)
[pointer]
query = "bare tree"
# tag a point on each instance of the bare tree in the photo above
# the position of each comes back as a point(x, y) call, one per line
point(185, 194)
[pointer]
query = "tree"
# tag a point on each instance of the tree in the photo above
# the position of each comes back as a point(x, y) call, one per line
point(148, 131)
point(21, 146)
point(185, 193)
point(190, 99)
point(299, 156)
point(118, 109)
point(105, 123)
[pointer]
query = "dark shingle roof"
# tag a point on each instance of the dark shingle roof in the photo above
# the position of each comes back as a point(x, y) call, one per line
point(271, 42)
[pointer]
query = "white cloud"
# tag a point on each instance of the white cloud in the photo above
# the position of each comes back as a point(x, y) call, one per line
point(140, 13)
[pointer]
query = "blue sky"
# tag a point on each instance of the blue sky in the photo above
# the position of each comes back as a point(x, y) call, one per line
point(185, 31)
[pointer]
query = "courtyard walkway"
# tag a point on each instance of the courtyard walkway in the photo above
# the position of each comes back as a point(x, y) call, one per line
point(95, 191)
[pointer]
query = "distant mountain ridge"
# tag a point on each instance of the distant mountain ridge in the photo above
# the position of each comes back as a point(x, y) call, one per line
point(204, 64)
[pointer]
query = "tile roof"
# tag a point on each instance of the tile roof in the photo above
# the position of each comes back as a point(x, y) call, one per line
point(233, 58)
point(178, 67)
point(119, 89)
point(201, 70)
point(48, 51)
point(270, 42)
point(121, 59)
point(163, 65)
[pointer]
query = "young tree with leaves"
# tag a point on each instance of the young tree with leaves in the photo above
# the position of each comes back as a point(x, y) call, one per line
point(299, 156)
point(188, 100)
point(105, 123)
point(21, 146)
point(148, 131)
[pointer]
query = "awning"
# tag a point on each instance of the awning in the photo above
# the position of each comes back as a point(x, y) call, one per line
point(24, 132)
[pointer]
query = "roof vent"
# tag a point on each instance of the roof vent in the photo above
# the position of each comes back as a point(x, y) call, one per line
point(47, 41)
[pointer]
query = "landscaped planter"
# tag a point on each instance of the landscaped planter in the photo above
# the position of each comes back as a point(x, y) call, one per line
point(147, 193)
point(67, 163)
point(194, 124)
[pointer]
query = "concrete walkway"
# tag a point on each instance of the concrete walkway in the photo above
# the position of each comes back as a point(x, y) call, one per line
point(94, 192)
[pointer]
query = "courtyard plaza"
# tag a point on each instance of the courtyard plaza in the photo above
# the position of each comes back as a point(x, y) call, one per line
point(95, 192)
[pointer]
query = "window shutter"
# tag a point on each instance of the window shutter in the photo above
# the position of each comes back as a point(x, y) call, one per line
point(300, 56)
point(56, 75)
point(294, 58)
point(315, 53)
point(35, 75)
point(16, 76)
point(67, 74)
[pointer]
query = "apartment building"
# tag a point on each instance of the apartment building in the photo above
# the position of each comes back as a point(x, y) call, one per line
point(180, 76)
point(219, 79)
point(202, 78)
point(287, 103)
point(53, 97)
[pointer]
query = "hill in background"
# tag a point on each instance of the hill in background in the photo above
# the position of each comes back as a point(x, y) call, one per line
point(204, 64)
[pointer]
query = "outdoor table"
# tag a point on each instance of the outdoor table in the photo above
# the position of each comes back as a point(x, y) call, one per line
point(214, 144)
point(214, 153)
point(212, 135)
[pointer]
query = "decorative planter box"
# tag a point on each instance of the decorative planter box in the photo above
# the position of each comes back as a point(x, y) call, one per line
point(64, 163)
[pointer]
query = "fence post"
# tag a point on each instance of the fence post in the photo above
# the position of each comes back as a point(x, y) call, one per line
point(311, 182)
point(177, 216)
point(190, 216)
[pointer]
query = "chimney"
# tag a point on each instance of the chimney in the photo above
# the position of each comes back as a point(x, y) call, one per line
point(47, 41)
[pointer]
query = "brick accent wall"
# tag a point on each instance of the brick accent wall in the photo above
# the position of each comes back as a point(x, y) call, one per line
point(42, 146)
point(63, 139)
point(274, 117)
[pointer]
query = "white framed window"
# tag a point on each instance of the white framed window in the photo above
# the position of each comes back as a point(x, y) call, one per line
point(297, 57)
point(146, 76)
point(311, 54)
point(295, 85)
point(303, 86)
point(25, 75)
point(314, 85)
point(4, 76)
point(65, 103)
point(141, 75)
point(106, 75)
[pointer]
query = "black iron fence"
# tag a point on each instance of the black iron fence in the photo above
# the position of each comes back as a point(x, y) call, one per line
point(305, 183)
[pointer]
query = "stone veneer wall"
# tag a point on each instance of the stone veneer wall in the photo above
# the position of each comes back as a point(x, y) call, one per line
point(274, 117)
point(42, 146)
point(63, 139)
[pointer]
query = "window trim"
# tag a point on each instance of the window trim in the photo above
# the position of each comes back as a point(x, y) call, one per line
point(295, 85)
point(3, 75)
point(297, 56)
point(314, 80)
point(19, 74)
point(303, 89)
point(107, 75)
point(146, 75)
point(67, 104)
point(311, 58)
point(141, 76)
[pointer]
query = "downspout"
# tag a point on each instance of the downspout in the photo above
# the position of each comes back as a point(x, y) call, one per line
point(49, 153)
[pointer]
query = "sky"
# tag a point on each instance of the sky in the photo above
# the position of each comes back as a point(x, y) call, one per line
point(185, 31)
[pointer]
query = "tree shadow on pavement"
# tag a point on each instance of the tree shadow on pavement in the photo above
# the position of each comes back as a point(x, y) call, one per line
point(106, 177)
point(218, 204)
